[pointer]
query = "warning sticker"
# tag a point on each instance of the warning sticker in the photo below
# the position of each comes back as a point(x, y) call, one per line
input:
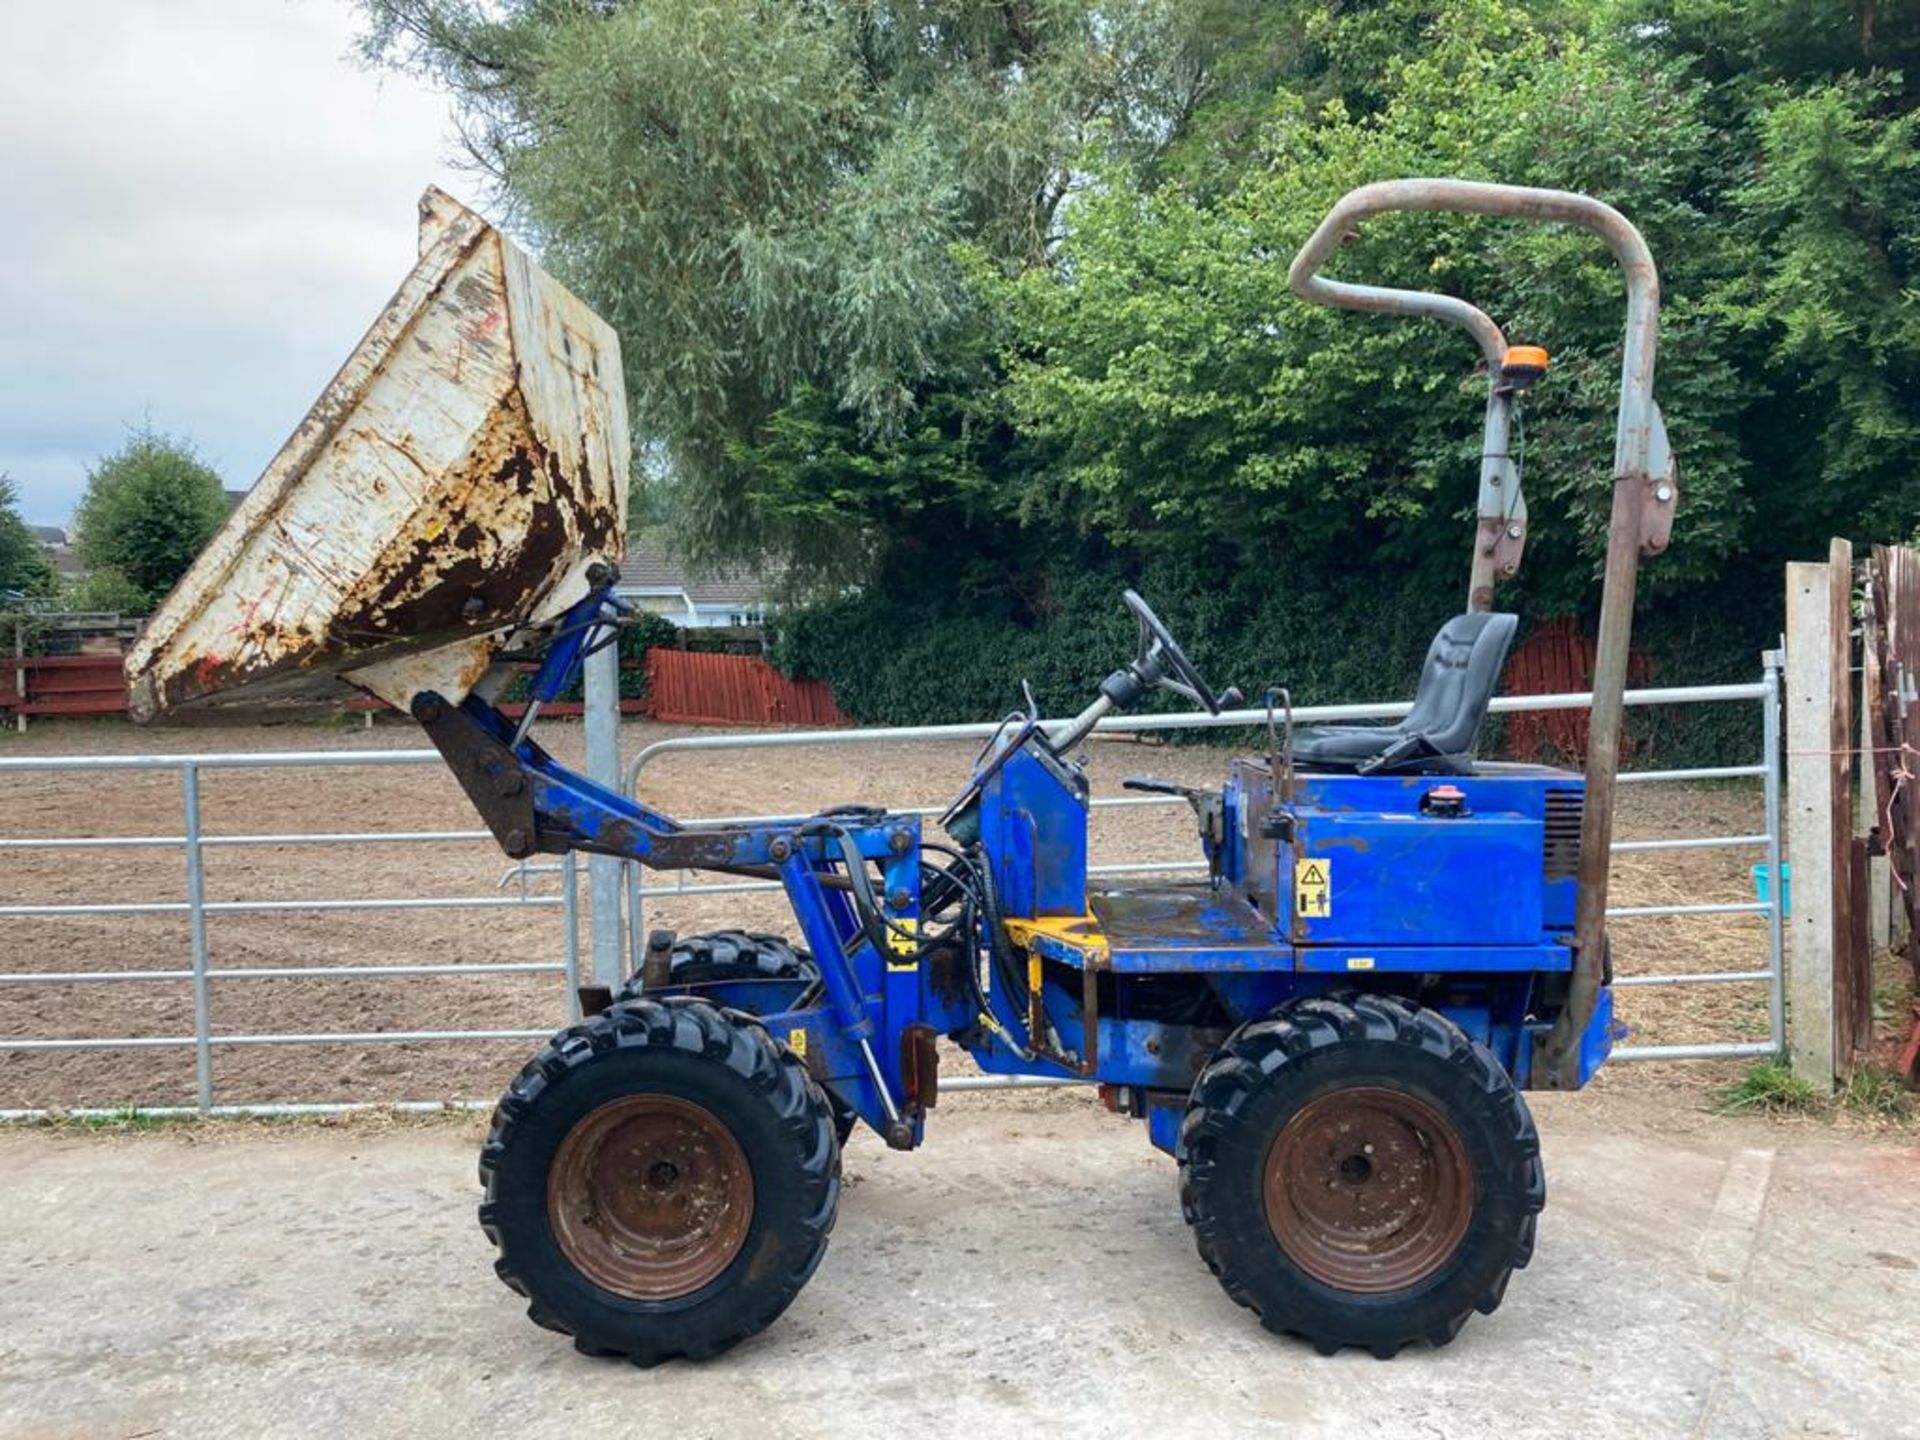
point(903, 944)
point(1313, 888)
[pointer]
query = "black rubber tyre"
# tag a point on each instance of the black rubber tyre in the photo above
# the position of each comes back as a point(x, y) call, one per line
point(741, 955)
point(753, 1099)
point(729, 955)
point(1279, 1138)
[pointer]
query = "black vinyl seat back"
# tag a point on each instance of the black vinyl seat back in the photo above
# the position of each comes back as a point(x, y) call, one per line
point(1462, 667)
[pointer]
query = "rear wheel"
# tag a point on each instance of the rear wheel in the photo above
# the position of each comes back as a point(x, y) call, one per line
point(730, 955)
point(660, 1180)
point(733, 955)
point(1360, 1172)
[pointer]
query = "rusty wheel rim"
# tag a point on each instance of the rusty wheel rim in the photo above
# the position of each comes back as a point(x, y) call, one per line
point(1368, 1189)
point(650, 1197)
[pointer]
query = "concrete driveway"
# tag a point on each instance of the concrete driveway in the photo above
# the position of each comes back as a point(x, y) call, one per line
point(1028, 1272)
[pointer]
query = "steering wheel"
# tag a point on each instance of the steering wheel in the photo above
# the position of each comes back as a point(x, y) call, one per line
point(1158, 659)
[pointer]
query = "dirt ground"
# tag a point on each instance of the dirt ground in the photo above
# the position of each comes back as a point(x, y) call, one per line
point(424, 797)
point(1027, 1272)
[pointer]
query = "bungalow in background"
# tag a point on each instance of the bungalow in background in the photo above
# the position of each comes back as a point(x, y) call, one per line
point(651, 579)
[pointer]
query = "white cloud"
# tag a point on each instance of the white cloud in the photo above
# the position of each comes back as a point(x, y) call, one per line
point(203, 203)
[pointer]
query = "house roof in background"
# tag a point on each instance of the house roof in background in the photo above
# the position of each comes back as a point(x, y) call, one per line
point(651, 565)
point(66, 563)
point(59, 551)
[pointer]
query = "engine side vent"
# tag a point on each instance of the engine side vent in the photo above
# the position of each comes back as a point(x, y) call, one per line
point(1563, 833)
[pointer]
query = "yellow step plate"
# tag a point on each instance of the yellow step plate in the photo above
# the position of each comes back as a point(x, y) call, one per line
point(1076, 939)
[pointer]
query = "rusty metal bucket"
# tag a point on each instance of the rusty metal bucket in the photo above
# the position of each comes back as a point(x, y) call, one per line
point(454, 482)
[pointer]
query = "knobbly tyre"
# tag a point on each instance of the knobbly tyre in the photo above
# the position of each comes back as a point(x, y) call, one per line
point(1331, 1034)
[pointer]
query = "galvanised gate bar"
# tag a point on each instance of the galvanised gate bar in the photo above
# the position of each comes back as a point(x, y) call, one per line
point(204, 975)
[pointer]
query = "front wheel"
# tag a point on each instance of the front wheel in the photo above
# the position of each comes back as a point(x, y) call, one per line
point(660, 1180)
point(727, 956)
point(1359, 1172)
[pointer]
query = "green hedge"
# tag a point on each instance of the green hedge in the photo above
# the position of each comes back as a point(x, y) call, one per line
point(916, 651)
point(921, 649)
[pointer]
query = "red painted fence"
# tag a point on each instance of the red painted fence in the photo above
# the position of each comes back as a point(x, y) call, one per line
point(689, 687)
point(63, 685)
point(1556, 659)
point(683, 687)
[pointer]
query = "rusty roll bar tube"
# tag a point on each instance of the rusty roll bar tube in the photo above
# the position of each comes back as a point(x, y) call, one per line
point(1501, 526)
point(1632, 477)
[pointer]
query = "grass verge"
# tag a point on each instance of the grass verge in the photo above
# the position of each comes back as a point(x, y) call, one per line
point(1771, 1088)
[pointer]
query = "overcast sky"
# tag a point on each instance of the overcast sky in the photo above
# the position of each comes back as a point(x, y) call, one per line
point(203, 204)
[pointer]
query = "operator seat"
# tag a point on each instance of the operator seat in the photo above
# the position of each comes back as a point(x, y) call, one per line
point(1462, 667)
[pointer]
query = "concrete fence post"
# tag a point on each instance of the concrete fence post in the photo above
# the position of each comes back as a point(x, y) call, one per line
point(1810, 817)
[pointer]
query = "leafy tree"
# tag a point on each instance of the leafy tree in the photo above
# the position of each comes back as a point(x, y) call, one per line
point(147, 512)
point(1832, 293)
point(976, 311)
point(1188, 401)
point(1817, 203)
point(1740, 47)
point(1161, 369)
point(107, 591)
point(765, 199)
point(23, 564)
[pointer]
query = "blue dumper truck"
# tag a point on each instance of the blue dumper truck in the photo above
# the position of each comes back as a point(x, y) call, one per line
point(1331, 1034)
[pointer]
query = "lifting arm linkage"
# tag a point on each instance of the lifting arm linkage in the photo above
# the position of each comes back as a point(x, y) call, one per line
point(1643, 496)
point(531, 803)
point(535, 805)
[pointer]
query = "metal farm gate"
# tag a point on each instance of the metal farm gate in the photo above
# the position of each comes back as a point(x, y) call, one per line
point(1767, 768)
point(207, 980)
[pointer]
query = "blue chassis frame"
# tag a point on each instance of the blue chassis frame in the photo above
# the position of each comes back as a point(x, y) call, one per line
point(859, 1027)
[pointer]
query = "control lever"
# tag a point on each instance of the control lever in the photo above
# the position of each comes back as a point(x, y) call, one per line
point(1402, 750)
point(1231, 698)
point(1189, 793)
point(1209, 814)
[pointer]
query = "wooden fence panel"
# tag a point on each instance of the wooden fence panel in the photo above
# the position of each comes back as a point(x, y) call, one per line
point(687, 687)
point(64, 685)
point(1891, 692)
point(1555, 659)
point(684, 687)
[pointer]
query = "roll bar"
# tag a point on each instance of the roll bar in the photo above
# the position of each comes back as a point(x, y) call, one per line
point(1644, 495)
point(1633, 438)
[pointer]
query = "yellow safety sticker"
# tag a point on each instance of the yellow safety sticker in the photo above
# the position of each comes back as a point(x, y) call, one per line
point(797, 1042)
point(1313, 887)
point(901, 948)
